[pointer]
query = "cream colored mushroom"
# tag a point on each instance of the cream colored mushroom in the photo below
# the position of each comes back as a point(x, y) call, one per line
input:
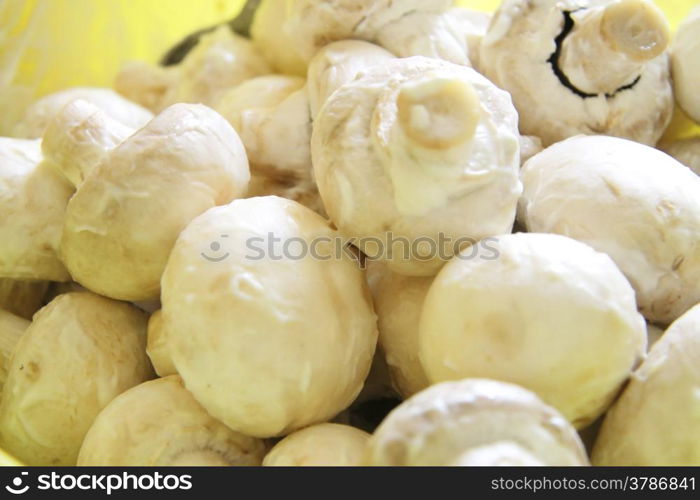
point(157, 346)
point(656, 421)
point(322, 445)
point(446, 423)
point(549, 313)
point(419, 151)
point(80, 352)
point(582, 66)
point(159, 423)
point(686, 151)
point(123, 221)
point(11, 329)
point(22, 297)
point(686, 65)
point(273, 40)
point(634, 203)
point(267, 340)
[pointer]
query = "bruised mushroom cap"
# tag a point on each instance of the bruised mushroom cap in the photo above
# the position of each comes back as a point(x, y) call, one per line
point(656, 420)
point(418, 149)
point(267, 345)
point(159, 423)
point(686, 65)
point(39, 114)
point(33, 199)
point(157, 346)
point(582, 66)
point(272, 39)
point(22, 297)
point(11, 329)
point(444, 422)
point(80, 352)
point(125, 217)
point(329, 445)
point(686, 151)
point(549, 313)
point(634, 203)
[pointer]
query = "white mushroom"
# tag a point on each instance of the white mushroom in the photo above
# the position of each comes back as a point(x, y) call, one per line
point(444, 424)
point(686, 151)
point(549, 313)
point(322, 445)
point(159, 423)
point(686, 65)
point(80, 352)
point(273, 40)
point(656, 421)
point(634, 203)
point(22, 297)
point(419, 151)
point(157, 346)
point(269, 337)
point(582, 66)
point(11, 329)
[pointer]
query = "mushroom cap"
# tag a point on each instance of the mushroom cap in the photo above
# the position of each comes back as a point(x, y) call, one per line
point(549, 313)
point(266, 341)
point(39, 114)
point(686, 151)
point(11, 329)
point(123, 221)
point(634, 203)
point(656, 421)
point(33, 199)
point(157, 346)
point(159, 423)
point(272, 39)
point(81, 351)
point(439, 425)
point(685, 65)
point(322, 445)
point(22, 297)
point(418, 148)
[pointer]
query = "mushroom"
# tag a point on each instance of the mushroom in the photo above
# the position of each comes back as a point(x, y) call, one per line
point(22, 297)
point(582, 66)
point(418, 151)
point(270, 329)
point(11, 329)
point(686, 151)
point(634, 203)
point(33, 199)
point(273, 40)
point(549, 313)
point(81, 351)
point(123, 221)
point(324, 445)
point(157, 346)
point(159, 423)
point(685, 65)
point(656, 420)
point(456, 422)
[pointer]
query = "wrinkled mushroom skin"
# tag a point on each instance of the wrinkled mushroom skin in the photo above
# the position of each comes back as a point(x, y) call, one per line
point(656, 421)
point(159, 423)
point(157, 346)
point(80, 352)
point(633, 202)
point(686, 65)
point(582, 67)
point(322, 445)
point(686, 151)
point(22, 297)
point(444, 423)
point(123, 221)
point(11, 329)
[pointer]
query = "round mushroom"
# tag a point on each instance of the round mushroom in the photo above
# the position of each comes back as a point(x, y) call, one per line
point(454, 422)
point(686, 151)
point(634, 203)
point(22, 297)
point(159, 423)
point(685, 65)
point(157, 346)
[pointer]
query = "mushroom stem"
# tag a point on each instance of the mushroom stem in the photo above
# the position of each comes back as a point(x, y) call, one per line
point(608, 46)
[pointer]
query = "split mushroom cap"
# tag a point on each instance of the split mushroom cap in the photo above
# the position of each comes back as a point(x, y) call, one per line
point(271, 114)
point(656, 420)
point(268, 341)
point(33, 199)
point(550, 314)
point(634, 203)
point(686, 151)
point(686, 65)
point(22, 297)
point(157, 346)
point(324, 445)
point(582, 66)
point(81, 351)
point(302, 191)
point(159, 423)
point(123, 221)
point(39, 114)
point(421, 150)
point(442, 424)
point(11, 329)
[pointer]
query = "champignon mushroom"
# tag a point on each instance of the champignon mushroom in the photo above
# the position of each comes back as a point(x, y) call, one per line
point(656, 420)
point(685, 65)
point(11, 329)
point(157, 346)
point(686, 151)
point(269, 328)
point(22, 297)
point(81, 351)
point(324, 445)
point(582, 66)
point(446, 423)
point(419, 151)
point(549, 313)
point(159, 423)
point(125, 216)
point(634, 203)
